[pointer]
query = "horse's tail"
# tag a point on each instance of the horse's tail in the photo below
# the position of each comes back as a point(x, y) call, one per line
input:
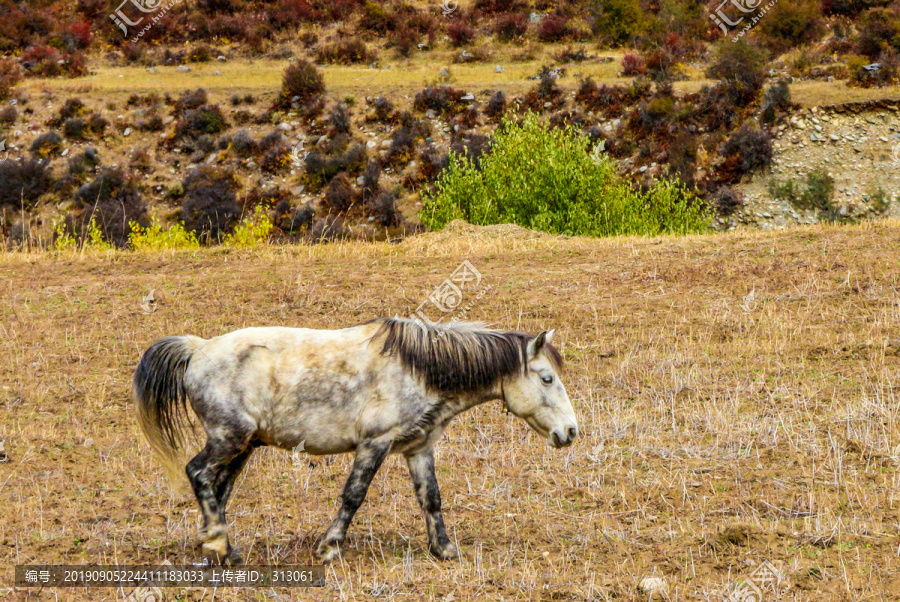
point(161, 398)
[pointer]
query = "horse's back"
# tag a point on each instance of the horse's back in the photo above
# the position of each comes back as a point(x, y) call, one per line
point(278, 338)
point(295, 384)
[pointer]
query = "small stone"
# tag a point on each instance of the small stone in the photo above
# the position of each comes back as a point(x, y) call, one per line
point(385, 144)
point(499, 69)
point(221, 58)
point(127, 132)
point(284, 126)
point(444, 73)
point(65, 152)
point(430, 114)
point(654, 587)
point(370, 144)
point(183, 68)
point(468, 96)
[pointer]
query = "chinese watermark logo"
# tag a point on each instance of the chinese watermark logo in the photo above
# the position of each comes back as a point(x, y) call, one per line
point(148, 592)
point(143, 8)
point(765, 576)
point(449, 6)
point(298, 449)
point(148, 304)
point(895, 154)
point(4, 153)
point(297, 155)
point(749, 304)
point(448, 296)
point(598, 156)
point(732, 13)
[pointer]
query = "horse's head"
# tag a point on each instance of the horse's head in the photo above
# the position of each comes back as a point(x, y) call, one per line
point(538, 396)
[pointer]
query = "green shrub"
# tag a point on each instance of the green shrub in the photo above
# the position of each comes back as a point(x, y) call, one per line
point(880, 199)
point(819, 190)
point(253, 229)
point(790, 24)
point(619, 22)
point(816, 194)
point(548, 179)
point(155, 237)
point(742, 70)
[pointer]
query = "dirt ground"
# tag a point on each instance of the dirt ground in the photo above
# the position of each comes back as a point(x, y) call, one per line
point(737, 395)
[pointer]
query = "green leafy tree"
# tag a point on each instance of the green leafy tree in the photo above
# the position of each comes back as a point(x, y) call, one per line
point(550, 179)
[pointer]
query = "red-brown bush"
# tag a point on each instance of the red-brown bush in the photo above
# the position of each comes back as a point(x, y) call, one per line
point(10, 75)
point(510, 26)
point(460, 33)
point(554, 28)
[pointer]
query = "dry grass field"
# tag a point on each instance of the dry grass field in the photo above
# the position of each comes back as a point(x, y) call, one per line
point(738, 398)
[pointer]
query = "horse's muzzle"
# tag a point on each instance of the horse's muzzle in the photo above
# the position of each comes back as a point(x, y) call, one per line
point(563, 437)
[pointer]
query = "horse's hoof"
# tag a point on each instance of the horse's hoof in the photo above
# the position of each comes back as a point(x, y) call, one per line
point(217, 550)
point(216, 556)
point(328, 551)
point(233, 558)
point(447, 552)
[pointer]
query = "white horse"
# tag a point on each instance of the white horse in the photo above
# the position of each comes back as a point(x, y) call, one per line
point(386, 386)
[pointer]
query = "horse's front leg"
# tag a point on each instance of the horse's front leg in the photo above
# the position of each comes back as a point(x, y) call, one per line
point(421, 469)
point(369, 457)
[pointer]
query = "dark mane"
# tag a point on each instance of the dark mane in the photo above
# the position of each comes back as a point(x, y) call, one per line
point(460, 357)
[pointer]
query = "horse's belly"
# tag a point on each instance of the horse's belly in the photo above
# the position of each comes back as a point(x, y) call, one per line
point(315, 428)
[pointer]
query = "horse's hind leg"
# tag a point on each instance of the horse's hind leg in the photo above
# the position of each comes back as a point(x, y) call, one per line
point(224, 483)
point(421, 469)
point(211, 479)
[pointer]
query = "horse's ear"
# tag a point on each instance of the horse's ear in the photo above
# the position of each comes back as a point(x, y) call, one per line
point(537, 343)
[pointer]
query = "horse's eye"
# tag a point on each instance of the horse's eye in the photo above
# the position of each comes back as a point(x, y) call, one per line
point(547, 379)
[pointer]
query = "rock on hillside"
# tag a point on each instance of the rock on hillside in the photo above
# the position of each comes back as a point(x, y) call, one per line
point(857, 144)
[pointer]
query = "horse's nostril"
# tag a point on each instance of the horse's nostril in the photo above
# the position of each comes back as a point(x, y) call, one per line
point(573, 432)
